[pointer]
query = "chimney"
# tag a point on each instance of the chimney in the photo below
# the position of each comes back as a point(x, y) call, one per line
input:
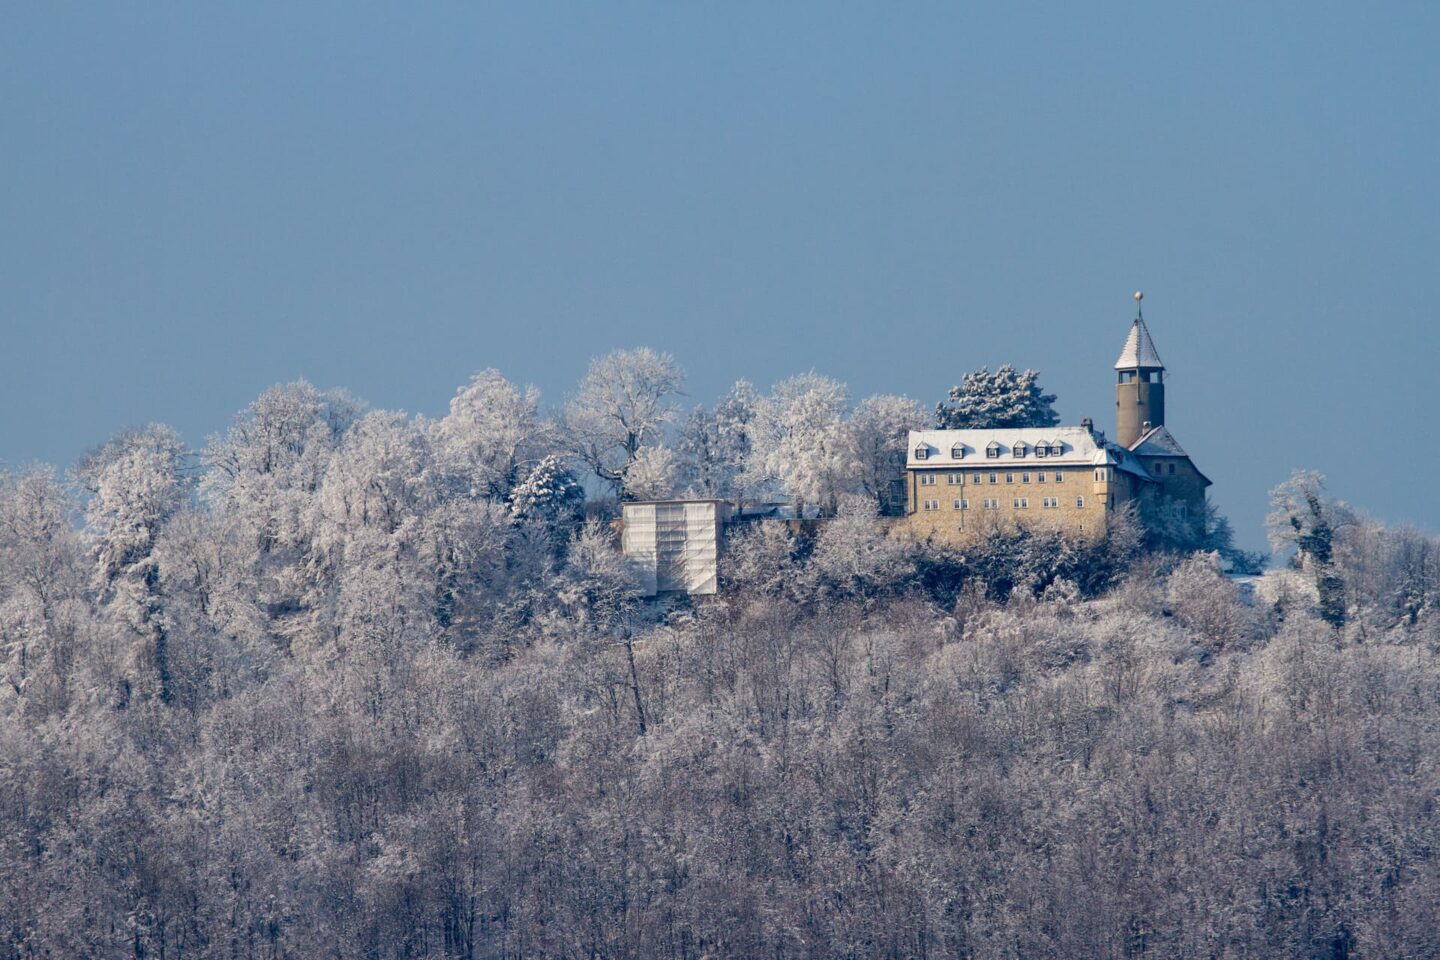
point(1087, 424)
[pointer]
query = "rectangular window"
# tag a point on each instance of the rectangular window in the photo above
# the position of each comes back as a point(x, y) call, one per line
point(994, 478)
point(1024, 478)
point(962, 504)
point(954, 478)
point(1009, 478)
point(927, 479)
point(1059, 477)
point(1050, 503)
point(974, 478)
point(1080, 502)
point(1172, 470)
point(1127, 376)
point(1040, 477)
point(932, 504)
point(992, 504)
point(1022, 503)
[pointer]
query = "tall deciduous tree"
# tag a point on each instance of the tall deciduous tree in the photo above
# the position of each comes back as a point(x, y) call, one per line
point(878, 431)
point(136, 483)
point(799, 442)
point(623, 404)
point(492, 435)
point(1005, 398)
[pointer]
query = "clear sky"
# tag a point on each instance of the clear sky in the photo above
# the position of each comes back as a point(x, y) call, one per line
point(199, 200)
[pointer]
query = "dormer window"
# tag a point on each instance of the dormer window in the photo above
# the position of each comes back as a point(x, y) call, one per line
point(1056, 449)
point(922, 452)
point(1019, 449)
point(992, 449)
point(957, 452)
point(1041, 449)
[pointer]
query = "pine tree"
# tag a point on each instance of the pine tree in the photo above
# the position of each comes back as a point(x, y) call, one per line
point(1005, 398)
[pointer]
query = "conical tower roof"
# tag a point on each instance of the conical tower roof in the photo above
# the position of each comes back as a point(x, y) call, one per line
point(1139, 349)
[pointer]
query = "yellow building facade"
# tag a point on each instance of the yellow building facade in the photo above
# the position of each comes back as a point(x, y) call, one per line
point(964, 484)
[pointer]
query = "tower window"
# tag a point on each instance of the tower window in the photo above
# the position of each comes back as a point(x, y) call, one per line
point(1127, 376)
point(1154, 376)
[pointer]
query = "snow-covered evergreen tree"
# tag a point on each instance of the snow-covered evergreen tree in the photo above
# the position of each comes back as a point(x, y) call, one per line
point(1005, 398)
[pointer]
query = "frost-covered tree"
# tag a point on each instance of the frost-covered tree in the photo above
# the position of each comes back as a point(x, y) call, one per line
point(652, 475)
point(136, 483)
point(622, 406)
point(854, 554)
point(799, 442)
point(1301, 517)
point(493, 433)
point(1005, 398)
point(714, 444)
point(267, 467)
point(42, 587)
point(548, 492)
point(878, 431)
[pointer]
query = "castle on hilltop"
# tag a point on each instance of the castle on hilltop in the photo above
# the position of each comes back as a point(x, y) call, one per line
point(960, 484)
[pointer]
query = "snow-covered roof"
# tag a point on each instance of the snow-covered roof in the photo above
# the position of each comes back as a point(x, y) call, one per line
point(1139, 349)
point(1076, 445)
point(1158, 442)
point(1079, 446)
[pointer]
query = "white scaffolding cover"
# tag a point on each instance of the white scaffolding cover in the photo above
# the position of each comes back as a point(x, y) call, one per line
point(674, 546)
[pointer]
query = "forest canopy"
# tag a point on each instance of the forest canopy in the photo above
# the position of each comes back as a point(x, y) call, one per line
point(346, 683)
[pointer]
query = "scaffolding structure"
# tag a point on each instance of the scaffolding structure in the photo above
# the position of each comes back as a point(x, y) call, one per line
point(674, 545)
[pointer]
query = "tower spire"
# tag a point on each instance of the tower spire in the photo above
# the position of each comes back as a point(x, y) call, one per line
point(1140, 387)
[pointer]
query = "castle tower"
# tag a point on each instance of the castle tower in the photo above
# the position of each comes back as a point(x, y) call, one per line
point(1140, 384)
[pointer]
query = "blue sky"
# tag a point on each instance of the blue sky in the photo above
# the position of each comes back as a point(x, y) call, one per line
point(200, 200)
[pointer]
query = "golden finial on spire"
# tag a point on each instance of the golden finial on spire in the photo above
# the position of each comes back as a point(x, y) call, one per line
point(1138, 297)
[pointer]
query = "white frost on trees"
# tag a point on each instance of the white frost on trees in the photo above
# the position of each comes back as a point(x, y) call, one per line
point(622, 406)
point(798, 442)
point(492, 434)
point(878, 433)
